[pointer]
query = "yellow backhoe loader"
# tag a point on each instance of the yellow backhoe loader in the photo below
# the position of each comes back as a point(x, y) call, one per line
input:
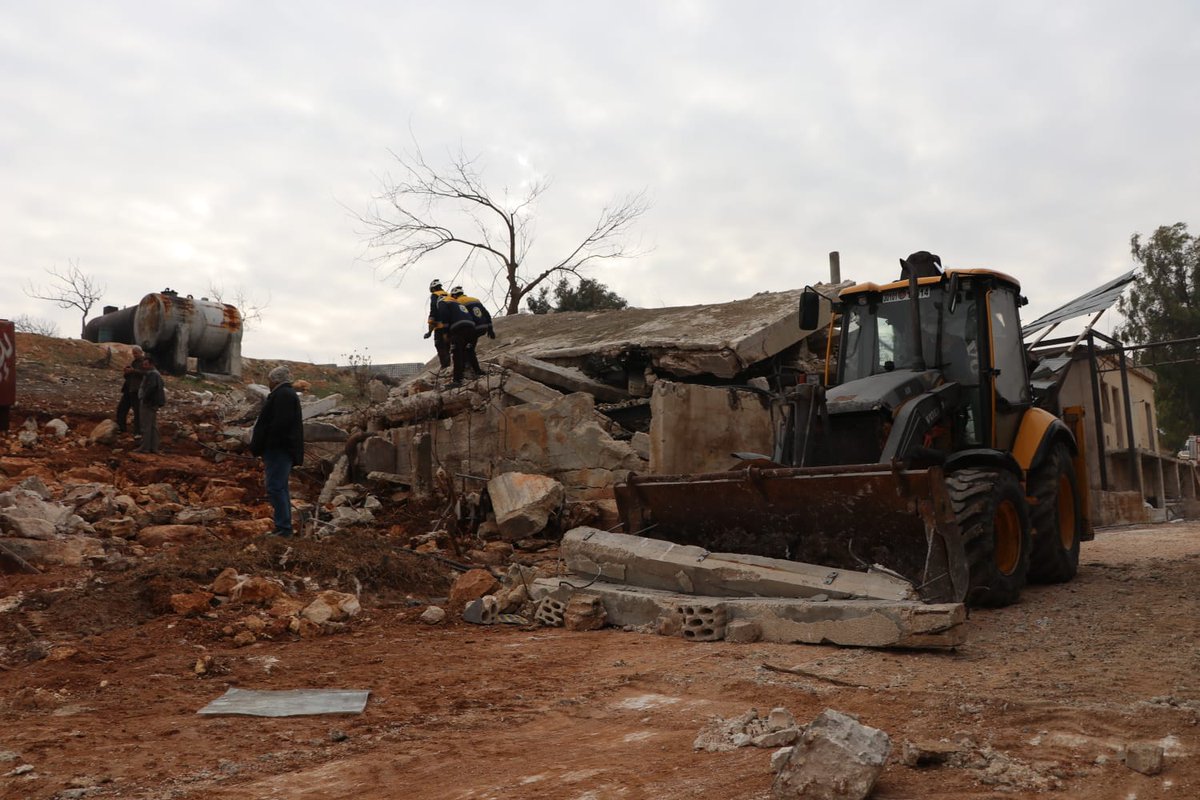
point(922, 453)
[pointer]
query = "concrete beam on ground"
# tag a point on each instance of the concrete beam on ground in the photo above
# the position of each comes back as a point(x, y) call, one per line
point(657, 564)
point(849, 623)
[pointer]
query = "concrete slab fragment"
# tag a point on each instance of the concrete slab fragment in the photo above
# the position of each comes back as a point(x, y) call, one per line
point(721, 339)
point(657, 564)
point(565, 378)
point(850, 623)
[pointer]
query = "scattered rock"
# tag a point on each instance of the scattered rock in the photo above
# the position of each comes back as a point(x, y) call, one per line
point(433, 615)
point(837, 758)
point(472, 585)
point(27, 438)
point(523, 503)
point(927, 754)
point(585, 612)
point(105, 432)
point(57, 428)
point(156, 535)
point(1144, 757)
point(741, 631)
point(244, 638)
point(256, 589)
point(331, 606)
point(225, 583)
point(190, 604)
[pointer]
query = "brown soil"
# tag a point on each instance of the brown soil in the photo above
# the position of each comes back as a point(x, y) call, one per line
point(98, 692)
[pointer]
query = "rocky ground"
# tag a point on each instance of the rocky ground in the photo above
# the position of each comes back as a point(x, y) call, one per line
point(106, 658)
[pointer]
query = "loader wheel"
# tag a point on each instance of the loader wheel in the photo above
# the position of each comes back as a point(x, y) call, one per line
point(1057, 518)
point(994, 518)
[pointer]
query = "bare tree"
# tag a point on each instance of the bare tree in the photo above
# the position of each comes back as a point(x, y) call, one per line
point(27, 324)
point(428, 210)
point(250, 308)
point(71, 288)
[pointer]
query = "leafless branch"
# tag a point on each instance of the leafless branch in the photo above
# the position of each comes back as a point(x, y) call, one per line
point(426, 210)
point(250, 309)
point(70, 288)
point(24, 323)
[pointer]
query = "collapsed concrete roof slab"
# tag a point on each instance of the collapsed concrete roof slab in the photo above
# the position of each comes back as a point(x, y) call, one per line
point(721, 339)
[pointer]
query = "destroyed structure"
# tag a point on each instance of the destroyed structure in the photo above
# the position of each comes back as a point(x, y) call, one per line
point(182, 334)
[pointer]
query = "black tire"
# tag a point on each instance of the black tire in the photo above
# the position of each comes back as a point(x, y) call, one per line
point(1057, 518)
point(994, 519)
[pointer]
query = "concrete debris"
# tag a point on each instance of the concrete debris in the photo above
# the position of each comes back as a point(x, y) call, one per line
point(584, 612)
point(57, 428)
point(27, 439)
point(657, 564)
point(748, 730)
point(837, 758)
point(1144, 757)
point(315, 431)
point(550, 611)
point(483, 611)
point(567, 379)
point(928, 754)
point(853, 623)
point(524, 503)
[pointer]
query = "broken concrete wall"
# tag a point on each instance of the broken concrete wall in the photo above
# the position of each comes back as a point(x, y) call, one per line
point(564, 438)
point(695, 428)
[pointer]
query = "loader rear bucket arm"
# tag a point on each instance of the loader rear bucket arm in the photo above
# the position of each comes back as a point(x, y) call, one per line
point(852, 517)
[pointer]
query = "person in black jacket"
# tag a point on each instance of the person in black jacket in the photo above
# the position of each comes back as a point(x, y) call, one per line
point(279, 439)
point(459, 324)
point(151, 397)
point(130, 383)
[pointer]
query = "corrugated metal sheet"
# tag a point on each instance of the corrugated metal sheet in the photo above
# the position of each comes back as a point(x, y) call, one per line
point(1096, 300)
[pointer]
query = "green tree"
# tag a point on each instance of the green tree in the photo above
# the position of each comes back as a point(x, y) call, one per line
point(1164, 304)
point(588, 295)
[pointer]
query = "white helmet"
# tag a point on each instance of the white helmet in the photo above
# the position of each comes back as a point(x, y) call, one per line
point(434, 285)
point(456, 291)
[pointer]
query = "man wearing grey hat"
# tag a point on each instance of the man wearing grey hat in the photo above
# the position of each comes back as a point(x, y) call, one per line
point(279, 439)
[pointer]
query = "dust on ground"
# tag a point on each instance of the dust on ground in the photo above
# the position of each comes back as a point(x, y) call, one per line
point(99, 688)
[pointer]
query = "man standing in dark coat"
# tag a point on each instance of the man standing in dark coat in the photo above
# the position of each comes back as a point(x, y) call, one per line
point(131, 382)
point(151, 397)
point(279, 439)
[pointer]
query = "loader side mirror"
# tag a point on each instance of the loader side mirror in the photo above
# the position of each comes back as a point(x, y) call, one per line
point(952, 300)
point(810, 310)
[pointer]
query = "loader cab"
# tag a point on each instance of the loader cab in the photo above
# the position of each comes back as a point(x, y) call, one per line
point(970, 333)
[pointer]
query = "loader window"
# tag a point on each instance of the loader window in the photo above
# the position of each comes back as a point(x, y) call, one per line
point(878, 334)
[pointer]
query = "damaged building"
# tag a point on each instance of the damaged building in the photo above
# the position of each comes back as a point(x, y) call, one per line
point(588, 397)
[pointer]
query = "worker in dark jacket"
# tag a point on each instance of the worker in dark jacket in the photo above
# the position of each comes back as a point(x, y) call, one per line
point(151, 397)
point(483, 325)
point(436, 328)
point(131, 381)
point(279, 439)
point(460, 333)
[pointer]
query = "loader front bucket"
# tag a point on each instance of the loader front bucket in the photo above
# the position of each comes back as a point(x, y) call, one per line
point(851, 517)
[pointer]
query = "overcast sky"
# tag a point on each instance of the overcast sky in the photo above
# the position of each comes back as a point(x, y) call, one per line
point(226, 144)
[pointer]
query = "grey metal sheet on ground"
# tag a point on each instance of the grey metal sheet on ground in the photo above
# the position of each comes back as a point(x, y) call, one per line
point(289, 702)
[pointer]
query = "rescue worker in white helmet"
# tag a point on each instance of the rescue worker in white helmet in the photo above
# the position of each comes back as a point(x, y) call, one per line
point(483, 323)
point(436, 328)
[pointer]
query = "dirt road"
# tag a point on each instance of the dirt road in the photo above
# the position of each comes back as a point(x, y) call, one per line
point(1041, 698)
